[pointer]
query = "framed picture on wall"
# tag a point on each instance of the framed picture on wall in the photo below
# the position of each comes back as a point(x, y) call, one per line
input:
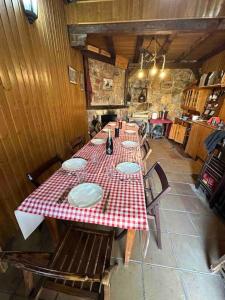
point(82, 81)
point(73, 74)
point(107, 84)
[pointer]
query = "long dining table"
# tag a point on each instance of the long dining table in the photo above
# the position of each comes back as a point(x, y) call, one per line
point(125, 206)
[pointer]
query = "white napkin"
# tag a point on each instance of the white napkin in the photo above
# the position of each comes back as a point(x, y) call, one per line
point(27, 222)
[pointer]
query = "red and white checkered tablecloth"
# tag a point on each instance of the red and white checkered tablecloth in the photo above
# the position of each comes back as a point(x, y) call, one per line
point(126, 205)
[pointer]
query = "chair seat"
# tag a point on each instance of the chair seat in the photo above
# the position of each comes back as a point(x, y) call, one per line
point(85, 252)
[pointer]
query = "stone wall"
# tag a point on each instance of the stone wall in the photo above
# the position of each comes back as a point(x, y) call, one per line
point(99, 71)
point(161, 93)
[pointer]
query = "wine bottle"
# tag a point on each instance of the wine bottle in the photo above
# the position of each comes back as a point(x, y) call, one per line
point(109, 144)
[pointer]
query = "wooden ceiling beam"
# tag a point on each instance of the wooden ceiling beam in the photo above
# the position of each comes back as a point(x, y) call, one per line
point(150, 27)
point(110, 45)
point(98, 56)
point(165, 46)
point(139, 43)
point(171, 65)
point(212, 53)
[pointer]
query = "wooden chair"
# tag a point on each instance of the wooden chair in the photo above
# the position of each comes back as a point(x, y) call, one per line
point(80, 266)
point(152, 199)
point(34, 175)
point(74, 146)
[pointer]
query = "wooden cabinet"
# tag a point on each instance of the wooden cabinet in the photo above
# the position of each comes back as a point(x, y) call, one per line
point(195, 145)
point(177, 133)
point(195, 98)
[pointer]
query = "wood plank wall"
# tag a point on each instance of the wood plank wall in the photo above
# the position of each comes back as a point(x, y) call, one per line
point(40, 111)
point(214, 63)
point(121, 10)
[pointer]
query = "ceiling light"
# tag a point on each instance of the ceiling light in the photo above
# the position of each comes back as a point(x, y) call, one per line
point(31, 10)
point(162, 74)
point(153, 71)
point(140, 74)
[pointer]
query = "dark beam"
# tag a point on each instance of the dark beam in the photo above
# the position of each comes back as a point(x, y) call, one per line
point(97, 56)
point(198, 43)
point(165, 46)
point(151, 26)
point(171, 65)
point(110, 45)
point(212, 53)
point(139, 43)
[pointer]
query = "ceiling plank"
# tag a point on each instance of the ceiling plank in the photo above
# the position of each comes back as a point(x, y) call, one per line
point(212, 53)
point(110, 45)
point(150, 27)
point(198, 43)
point(139, 43)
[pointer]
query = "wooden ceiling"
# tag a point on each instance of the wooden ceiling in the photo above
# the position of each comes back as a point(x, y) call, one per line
point(179, 47)
point(188, 32)
point(86, 11)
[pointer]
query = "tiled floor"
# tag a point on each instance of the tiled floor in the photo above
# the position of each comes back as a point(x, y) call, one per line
point(192, 236)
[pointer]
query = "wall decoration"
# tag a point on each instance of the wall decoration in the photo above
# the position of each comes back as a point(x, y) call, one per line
point(107, 84)
point(73, 74)
point(82, 81)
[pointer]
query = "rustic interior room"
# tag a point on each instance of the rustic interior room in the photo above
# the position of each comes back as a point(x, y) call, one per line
point(112, 135)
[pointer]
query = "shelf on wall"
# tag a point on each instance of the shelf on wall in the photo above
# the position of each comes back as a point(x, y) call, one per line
point(213, 86)
point(96, 107)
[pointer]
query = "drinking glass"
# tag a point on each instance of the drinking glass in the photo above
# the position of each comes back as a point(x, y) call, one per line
point(94, 158)
point(81, 175)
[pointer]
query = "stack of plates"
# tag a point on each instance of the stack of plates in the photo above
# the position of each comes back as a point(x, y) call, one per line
point(74, 164)
point(128, 168)
point(129, 144)
point(106, 130)
point(85, 195)
point(98, 141)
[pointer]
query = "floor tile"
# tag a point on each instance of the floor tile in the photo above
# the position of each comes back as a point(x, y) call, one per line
point(164, 256)
point(162, 283)
point(10, 280)
point(190, 252)
point(127, 283)
point(208, 226)
point(5, 296)
point(184, 203)
point(181, 189)
point(203, 287)
point(176, 222)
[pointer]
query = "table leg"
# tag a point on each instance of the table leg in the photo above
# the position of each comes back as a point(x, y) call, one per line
point(129, 244)
point(53, 228)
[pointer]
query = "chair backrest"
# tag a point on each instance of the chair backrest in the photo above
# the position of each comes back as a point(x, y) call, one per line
point(34, 175)
point(153, 198)
point(146, 148)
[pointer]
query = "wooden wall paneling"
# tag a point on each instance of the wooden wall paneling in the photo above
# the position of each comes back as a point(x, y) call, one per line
point(40, 111)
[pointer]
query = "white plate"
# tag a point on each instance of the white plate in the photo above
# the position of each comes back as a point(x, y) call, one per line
point(85, 195)
point(98, 141)
point(129, 144)
point(106, 130)
point(74, 164)
point(128, 168)
point(112, 124)
point(129, 131)
point(131, 124)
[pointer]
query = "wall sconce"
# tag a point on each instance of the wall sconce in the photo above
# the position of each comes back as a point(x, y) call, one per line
point(31, 10)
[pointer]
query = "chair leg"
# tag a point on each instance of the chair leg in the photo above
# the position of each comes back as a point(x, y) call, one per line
point(157, 223)
point(107, 292)
point(28, 281)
